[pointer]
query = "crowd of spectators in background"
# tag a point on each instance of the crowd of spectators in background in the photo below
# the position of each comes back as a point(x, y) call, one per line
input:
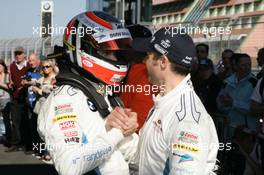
point(24, 87)
point(234, 97)
point(228, 89)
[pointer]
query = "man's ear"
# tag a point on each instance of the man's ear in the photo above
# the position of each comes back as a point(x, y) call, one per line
point(164, 62)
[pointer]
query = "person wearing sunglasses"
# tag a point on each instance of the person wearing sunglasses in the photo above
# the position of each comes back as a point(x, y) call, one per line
point(45, 84)
point(43, 88)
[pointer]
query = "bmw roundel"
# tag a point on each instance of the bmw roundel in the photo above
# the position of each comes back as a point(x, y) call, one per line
point(91, 106)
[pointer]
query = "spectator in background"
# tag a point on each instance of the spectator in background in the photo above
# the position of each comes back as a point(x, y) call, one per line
point(202, 51)
point(43, 88)
point(5, 101)
point(260, 60)
point(140, 102)
point(209, 86)
point(226, 68)
point(45, 84)
point(18, 69)
point(257, 100)
point(251, 151)
point(234, 98)
point(31, 78)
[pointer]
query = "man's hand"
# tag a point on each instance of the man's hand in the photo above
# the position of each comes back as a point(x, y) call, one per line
point(132, 119)
point(27, 83)
point(123, 119)
point(35, 89)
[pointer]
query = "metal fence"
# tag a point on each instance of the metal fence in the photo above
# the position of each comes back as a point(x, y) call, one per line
point(42, 46)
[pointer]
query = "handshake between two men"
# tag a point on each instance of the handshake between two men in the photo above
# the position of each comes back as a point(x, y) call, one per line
point(124, 119)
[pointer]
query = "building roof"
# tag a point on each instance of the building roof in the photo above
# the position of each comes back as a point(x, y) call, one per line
point(171, 7)
point(157, 2)
point(215, 3)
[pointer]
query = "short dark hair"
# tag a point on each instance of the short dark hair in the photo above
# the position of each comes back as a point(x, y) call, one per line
point(18, 53)
point(261, 51)
point(180, 69)
point(176, 68)
point(228, 50)
point(203, 45)
point(238, 57)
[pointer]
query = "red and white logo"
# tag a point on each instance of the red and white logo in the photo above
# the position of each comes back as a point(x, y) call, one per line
point(71, 134)
point(67, 125)
point(87, 63)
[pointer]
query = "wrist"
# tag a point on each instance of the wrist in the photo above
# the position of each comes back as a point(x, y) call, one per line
point(114, 136)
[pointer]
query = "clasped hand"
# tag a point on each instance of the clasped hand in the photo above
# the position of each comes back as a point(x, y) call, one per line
point(123, 119)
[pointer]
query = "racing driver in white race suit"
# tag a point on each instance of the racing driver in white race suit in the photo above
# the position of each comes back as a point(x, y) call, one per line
point(179, 136)
point(72, 123)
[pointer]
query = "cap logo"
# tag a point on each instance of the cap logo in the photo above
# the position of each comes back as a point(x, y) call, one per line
point(152, 39)
point(160, 49)
point(165, 43)
point(187, 60)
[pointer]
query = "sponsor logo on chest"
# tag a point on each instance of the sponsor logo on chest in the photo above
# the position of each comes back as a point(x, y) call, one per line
point(67, 125)
point(183, 147)
point(63, 117)
point(72, 140)
point(62, 109)
point(187, 137)
point(71, 134)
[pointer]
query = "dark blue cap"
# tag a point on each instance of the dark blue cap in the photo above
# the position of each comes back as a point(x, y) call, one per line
point(179, 48)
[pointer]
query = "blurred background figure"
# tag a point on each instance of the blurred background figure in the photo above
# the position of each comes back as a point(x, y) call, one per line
point(42, 89)
point(260, 60)
point(18, 69)
point(234, 98)
point(257, 102)
point(248, 152)
point(45, 84)
point(5, 102)
point(226, 67)
point(202, 51)
point(209, 86)
point(30, 79)
point(140, 102)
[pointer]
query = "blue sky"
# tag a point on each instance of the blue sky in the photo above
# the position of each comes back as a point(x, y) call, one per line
point(18, 17)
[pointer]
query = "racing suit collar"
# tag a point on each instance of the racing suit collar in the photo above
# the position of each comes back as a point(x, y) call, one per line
point(163, 100)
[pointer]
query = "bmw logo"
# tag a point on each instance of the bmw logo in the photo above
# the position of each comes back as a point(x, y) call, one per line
point(91, 106)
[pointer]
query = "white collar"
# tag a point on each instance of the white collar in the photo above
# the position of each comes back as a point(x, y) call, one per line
point(182, 86)
point(21, 65)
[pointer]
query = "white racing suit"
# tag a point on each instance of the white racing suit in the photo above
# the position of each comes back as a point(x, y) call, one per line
point(179, 136)
point(76, 138)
